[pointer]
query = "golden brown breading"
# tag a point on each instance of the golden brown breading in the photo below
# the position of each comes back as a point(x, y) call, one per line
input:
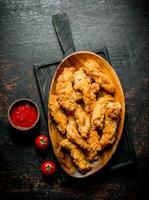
point(89, 96)
point(93, 140)
point(67, 74)
point(110, 124)
point(99, 109)
point(91, 66)
point(113, 110)
point(73, 134)
point(53, 104)
point(91, 155)
point(104, 82)
point(68, 98)
point(108, 134)
point(98, 115)
point(66, 95)
point(81, 80)
point(92, 69)
point(57, 114)
point(77, 154)
point(83, 121)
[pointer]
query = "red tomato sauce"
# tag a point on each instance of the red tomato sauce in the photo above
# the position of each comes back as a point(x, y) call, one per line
point(24, 115)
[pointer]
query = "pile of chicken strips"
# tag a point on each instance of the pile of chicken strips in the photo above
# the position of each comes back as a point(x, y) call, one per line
point(85, 112)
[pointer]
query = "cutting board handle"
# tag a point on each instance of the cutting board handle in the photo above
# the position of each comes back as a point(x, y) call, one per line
point(63, 31)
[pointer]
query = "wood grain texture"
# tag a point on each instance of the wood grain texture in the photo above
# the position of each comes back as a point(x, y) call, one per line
point(63, 30)
point(124, 157)
point(77, 60)
point(27, 36)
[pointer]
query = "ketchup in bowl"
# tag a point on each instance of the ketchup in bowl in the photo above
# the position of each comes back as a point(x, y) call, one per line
point(23, 114)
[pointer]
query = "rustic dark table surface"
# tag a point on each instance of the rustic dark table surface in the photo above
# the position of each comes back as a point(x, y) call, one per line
point(27, 36)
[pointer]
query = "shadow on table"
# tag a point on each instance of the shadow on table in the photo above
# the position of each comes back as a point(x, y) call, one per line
point(100, 177)
point(24, 137)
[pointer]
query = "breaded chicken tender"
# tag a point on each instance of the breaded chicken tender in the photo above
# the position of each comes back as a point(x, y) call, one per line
point(104, 82)
point(93, 140)
point(91, 66)
point(73, 134)
point(108, 135)
point(67, 74)
point(82, 82)
point(99, 109)
point(113, 110)
point(91, 155)
point(66, 95)
point(92, 69)
point(57, 114)
point(110, 124)
point(77, 155)
point(89, 96)
point(83, 121)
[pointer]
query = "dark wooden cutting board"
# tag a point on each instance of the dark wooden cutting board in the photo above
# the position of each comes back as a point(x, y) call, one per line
point(124, 156)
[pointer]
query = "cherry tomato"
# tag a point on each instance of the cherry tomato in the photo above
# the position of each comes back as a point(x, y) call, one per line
point(48, 168)
point(42, 142)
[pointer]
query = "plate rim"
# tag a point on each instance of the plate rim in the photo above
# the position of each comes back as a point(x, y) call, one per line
point(123, 118)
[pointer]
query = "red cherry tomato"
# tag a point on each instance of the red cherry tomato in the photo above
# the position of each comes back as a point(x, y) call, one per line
point(48, 168)
point(42, 142)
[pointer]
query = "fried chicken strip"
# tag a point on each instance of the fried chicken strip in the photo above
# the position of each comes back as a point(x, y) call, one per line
point(110, 124)
point(57, 114)
point(99, 109)
point(82, 82)
point(77, 155)
point(104, 82)
point(66, 94)
point(89, 96)
point(113, 110)
point(73, 134)
point(90, 66)
point(83, 121)
point(93, 140)
point(92, 69)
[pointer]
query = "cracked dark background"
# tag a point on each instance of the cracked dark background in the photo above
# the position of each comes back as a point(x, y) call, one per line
point(27, 36)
